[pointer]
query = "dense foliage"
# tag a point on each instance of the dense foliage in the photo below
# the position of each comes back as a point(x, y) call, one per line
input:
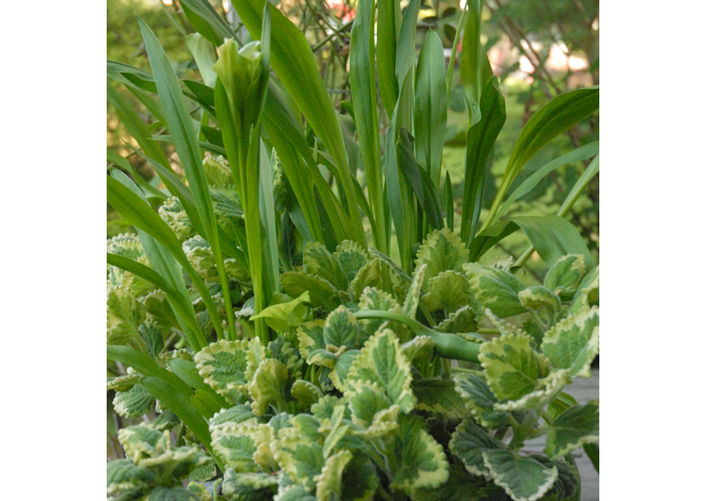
point(259, 348)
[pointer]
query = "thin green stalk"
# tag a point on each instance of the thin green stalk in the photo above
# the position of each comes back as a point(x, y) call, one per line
point(454, 50)
point(448, 345)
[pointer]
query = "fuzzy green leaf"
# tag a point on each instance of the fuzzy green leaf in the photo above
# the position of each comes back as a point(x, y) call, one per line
point(449, 290)
point(171, 494)
point(564, 276)
point(133, 403)
point(468, 442)
point(523, 478)
point(341, 329)
point(321, 292)
point(441, 250)
point(320, 262)
point(328, 482)
point(305, 393)
point(283, 316)
point(439, 397)
point(379, 274)
point(573, 343)
point(223, 366)
point(495, 289)
point(248, 486)
point(575, 427)
point(351, 257)
point(267, 384)
point(124, 478)
point(511, 366)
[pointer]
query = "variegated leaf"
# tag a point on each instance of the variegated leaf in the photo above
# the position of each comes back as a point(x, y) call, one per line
point(124, 315)
point(171, 494)
point(124, 381)
point(223, 367)
point(449, 290)
point(381, 361)
point(511, 366)
point(468, 442)
point(538, 297)
point(418, 347)
point(413, 295)
point(359, 479)
point(328, 482)
point(133, 403)
point(305, 393)
point(283, 316)
point(299, 457)
point(375, 299)
point(237, 414)
point(217, 171)
point(235, 444)
point(545, 390)
point(441, 250)
point(564, 276)
point(312, 345)
point(140, 441)
point(321, 292)
point(371, 409)
point(495, 289)
point(523, 478)
point(124, 478)
point(588, 293)
point(341, 329)
point(248, 486)
point(479, 399)
point(439, 396)
point(575, 427)
point(379, 274)
point(339, 373)
point(352, 257)
point(461, 320)
point(293, 493)
point(174, 215)
point(267, 385)
point(573, 343)
point(419, 461)
point(320, 262)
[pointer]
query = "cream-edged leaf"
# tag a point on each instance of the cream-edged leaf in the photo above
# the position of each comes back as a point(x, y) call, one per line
point(523, 478)
point(133, 403)
point(248, 486)
point(538, 297)
point(320, 262)
point(495, 289)
point(380, 274)
point(575, 427)
point(418, 347)
point(461, 320)
point(235, 444)
point(413, 295)
point(381, 361)
point(419, 461)
point(376, 299)
point(305, 393)
point(545, 390)
point(124, 478)
point(312, 345)
point(340, 370)
point(223, 366)
point(329, 481)
point(573, 343)
point(236, 414)
point(322, 293)
point(351, 257)
point(267, 385)
point(468, 442)
point(511, 366)
point(588, 293)
point(441, 250)
point(359, 479)
point(171, 494)
point(341, 329)
point(564, 276)
point(439, 396)
point(449, 291)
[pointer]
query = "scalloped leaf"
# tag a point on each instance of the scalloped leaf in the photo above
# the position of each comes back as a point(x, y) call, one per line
point(351, 256)
point(249, 486)
point(538, 297)
point(565, 275)
point(124, 315)
point(340, 370)
point(328, 482)
point(299, 457)
point(127, 479)
point(125, 381)
point(375, 299)
point(234, 415)
point(223, 366)
point(495, 289)
point(305, 393)
point(439, 396)
point(413, 295)
point(575, 427)
point(321, 292)
point(133, 403)
point(267, 385)
point(359, 479)
point(573, 343)
point(545, 390)
point(140, 441)
point(419, 461)
point(468, 442)
point(341, 329)
point(567, 483)
point(293, 493)
point(371, 408)
point(312, 345)
point(380, 274)
point(283, 316)
point(418, 347)
point(320, 262)
point(479, 399)
point(523, 478)
point(381, 361)
point(511, 366)
point(442, 250)
point(235, 444)
point(449, 290)
point(461, 320)
point(588, 293)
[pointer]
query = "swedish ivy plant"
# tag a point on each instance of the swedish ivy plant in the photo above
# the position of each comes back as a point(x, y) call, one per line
point(264, 344)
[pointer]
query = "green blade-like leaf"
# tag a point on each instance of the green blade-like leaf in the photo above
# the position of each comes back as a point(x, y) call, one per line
point(406, 43)
point(480, 142)
point(431, 105)
point(554, 237)
point(556, 117)
point(206, 21)
point(475, 69)
point(388, 24)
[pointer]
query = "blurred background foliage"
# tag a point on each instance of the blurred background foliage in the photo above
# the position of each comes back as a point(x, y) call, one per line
point(539, 49)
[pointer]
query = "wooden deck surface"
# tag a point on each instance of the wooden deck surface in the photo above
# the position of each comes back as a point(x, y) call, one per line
point(583, 390)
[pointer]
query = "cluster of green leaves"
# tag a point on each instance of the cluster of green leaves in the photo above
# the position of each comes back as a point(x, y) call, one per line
point(349, 404)
point(249, 310)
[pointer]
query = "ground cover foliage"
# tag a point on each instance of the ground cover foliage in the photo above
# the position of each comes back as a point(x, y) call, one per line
point(301, 315)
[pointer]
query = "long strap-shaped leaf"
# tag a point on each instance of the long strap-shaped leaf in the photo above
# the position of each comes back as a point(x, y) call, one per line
point(362, 84)
point(389, 19)
point(206, 21)
point(293, 62)
point(556, 117)
point(185, 140)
